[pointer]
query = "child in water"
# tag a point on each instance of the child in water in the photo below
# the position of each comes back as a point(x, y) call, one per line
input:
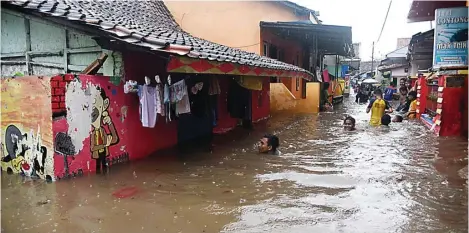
point(378, 108)
point(385, 120)
point(349, 123)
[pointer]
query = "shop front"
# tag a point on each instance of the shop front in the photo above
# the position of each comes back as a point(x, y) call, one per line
point(442, 90)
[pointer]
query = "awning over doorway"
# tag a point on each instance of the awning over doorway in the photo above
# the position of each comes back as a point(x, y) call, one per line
point(421, 11)
point(421, 46)
point(332, 39)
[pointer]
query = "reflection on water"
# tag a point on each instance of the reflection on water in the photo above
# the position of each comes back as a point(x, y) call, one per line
point(401, 179)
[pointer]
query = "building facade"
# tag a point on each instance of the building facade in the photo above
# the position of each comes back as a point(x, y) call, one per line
point(278, 29)
point(58, 123)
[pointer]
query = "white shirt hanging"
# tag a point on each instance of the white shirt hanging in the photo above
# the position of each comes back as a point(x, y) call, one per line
point(149, 105)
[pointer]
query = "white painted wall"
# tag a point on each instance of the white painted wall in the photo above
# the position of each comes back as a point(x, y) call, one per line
point(419, 65)
point(399, 72)
point(34, 46)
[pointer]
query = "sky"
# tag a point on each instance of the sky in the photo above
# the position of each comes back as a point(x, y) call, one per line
point(366, 18)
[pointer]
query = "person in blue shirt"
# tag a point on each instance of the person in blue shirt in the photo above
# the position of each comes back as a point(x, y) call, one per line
point(389, 92)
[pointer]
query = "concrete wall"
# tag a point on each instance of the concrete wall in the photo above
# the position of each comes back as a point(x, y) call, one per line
point(399, 72)
point(419, 65)
point(34, 46)
point(231, 23)
point(281, 99)
point(50, 136)
point(26, 127)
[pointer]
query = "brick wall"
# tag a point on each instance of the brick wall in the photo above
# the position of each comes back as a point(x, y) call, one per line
point(58, 85)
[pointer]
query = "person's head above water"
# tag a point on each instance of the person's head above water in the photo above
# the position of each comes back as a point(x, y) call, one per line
point(412, 95)
point(397, 118)
point(268, 143)
point(349, 123)
point(385, 120)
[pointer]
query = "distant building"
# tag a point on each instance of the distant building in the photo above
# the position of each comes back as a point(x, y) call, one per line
point(365, 66)
point(401, 42)
point(356, 49)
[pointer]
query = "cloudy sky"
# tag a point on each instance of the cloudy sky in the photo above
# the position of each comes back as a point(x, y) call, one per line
point(366, 19)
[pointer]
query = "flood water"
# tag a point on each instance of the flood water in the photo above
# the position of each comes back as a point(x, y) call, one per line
point(402, 179)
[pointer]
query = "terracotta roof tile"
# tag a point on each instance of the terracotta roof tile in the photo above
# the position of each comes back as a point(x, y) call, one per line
point(148, 24)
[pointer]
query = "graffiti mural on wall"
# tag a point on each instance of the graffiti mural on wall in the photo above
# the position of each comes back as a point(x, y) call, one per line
point(91, 114)
point(100, 140)
point(26, 105)
point(25, 154)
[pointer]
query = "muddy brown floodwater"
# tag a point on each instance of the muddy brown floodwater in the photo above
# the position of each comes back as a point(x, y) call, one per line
point(402, 179)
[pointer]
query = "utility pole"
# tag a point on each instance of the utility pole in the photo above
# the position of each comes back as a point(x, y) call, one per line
point(372, 57)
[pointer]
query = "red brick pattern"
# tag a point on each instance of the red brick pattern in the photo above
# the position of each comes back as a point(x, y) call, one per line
point(58, 85)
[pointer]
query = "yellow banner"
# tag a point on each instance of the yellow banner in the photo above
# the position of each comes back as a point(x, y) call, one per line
point(250, 82)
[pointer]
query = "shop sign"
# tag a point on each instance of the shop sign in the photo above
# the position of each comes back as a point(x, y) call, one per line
point(450, 41)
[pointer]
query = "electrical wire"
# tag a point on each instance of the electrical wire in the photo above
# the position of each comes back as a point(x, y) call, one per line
point(385, 19)
point(246, 46)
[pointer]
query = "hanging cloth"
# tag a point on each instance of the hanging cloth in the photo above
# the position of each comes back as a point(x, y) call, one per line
point(197, 87)
point(250, 82)
point(325, 76)
point(148, 104)
point(180, 97)
point(159, 100)
point(166, 102)
point(214, 86)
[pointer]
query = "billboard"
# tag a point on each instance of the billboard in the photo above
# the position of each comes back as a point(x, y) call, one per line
point(450, 42)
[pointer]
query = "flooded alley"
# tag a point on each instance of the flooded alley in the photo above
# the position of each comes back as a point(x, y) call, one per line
point(403, 179)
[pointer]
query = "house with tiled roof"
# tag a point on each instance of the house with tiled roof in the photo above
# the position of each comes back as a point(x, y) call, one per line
point(52, 43)
point(282, 30)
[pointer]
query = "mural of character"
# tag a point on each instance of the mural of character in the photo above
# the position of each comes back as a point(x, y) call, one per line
point(100, 140)
point(22, 152)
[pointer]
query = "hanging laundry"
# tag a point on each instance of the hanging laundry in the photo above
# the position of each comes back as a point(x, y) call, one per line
point(180, 96)
point(183, 106)
point(214, 86)
point(148, 106)
point(159, 101)
point(130, 87)
point(177, 91)
point(166, 102)
point(139, 93)
point(197, 87)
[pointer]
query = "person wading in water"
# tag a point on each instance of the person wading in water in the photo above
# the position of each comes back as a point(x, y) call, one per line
point(269, 144)
point(378, 107)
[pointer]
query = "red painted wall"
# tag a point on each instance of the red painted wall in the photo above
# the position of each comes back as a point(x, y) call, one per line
point(293, 55)
point(135, 141)
point(261, 102)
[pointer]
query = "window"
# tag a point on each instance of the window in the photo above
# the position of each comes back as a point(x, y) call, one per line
point(297, 84)
point(281, 55)
point(273, 51)
point(266, 49)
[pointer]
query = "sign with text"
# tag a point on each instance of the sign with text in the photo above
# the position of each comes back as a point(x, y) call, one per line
point(450, 45)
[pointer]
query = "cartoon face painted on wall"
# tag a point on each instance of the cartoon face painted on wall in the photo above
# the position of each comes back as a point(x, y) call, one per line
point(100, 139)
point(25, 153)
point(100, 106)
